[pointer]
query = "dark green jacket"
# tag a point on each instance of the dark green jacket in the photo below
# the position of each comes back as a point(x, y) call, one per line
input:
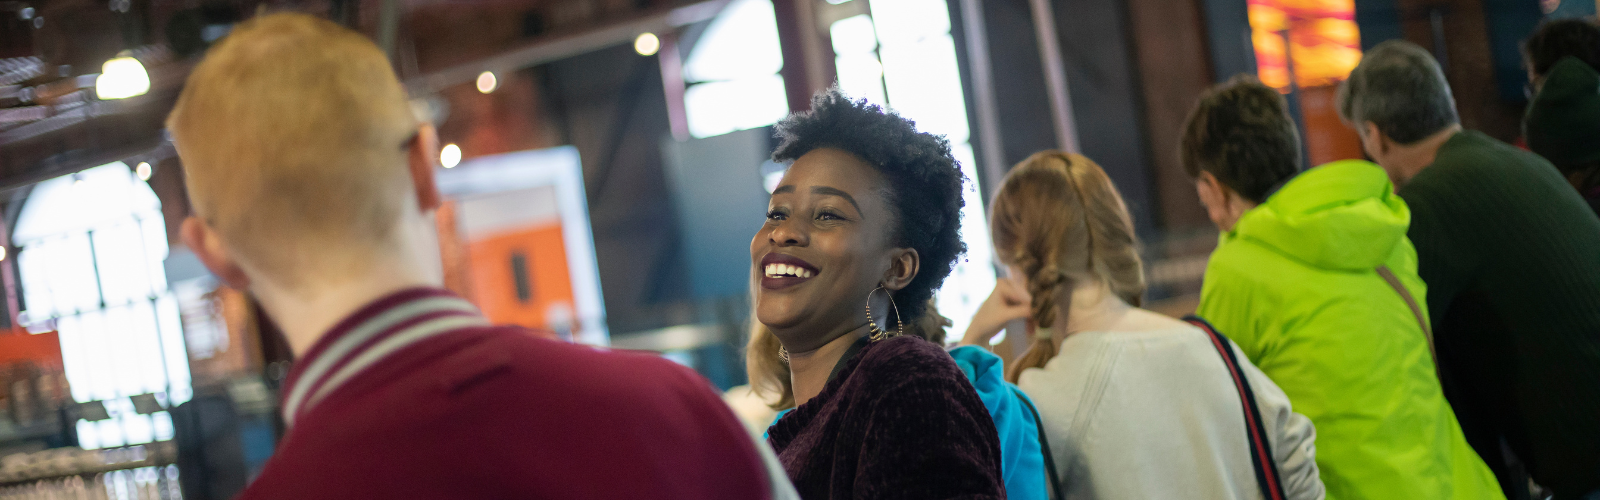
point(1511, 256)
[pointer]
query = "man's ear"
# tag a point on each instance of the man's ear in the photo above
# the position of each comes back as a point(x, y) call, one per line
point(1377, 143)
point(902, 269)
point(1215, 197)
point(423, 156)
point(205, 244)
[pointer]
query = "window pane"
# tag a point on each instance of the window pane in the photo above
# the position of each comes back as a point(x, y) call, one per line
point(155, 250)
point(900, 21)
point(854, 35)
point(75, 359)
point(88, 435)
point(162, 421)
point(137, 428)
point(861, 76)
point(924, 85)
point(73, 286)
point(34, 262)
point(741, 42)
point(973, 277)
point(110, 433)
point(120, 259)
point(170, 321)
point(717, 108)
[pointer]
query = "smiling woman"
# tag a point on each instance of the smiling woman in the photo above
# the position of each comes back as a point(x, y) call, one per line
point(859, 233)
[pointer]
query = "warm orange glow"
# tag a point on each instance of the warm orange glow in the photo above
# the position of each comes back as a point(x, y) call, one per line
point(1322, 37)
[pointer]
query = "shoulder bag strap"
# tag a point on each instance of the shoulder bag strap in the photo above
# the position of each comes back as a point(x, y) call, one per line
point(1260, 448)
point(1416, 309)
point(1044, 444)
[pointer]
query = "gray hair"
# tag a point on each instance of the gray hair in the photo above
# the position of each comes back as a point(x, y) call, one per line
point(1400, 88)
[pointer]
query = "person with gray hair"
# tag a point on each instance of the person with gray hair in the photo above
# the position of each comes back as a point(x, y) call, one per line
point(1511, 257)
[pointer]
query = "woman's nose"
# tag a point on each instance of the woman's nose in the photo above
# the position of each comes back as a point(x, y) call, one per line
point(788, 233)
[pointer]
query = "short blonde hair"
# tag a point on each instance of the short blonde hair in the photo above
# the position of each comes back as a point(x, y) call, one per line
point(293, 133)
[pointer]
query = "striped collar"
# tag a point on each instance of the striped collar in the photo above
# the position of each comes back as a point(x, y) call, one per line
point(366, 337)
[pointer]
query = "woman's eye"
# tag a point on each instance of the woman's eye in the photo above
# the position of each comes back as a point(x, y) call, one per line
point(776, 215)
point(829, 216)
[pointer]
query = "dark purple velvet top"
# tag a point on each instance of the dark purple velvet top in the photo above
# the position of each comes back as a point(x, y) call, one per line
point(899, 420)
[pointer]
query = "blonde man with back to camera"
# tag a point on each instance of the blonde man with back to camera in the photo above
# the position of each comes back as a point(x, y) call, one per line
point(313, 188)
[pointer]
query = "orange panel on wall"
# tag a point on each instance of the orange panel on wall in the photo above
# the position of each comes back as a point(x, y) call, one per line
point(520, 277)
point(1327, 137)
point(43, 349)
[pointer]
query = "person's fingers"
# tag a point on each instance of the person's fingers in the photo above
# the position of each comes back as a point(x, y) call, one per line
point(1012, 291)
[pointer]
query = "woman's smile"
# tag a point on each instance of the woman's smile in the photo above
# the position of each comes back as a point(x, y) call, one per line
point(780, 271)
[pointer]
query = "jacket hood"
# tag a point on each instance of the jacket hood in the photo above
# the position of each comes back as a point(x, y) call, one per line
point(1343, 215)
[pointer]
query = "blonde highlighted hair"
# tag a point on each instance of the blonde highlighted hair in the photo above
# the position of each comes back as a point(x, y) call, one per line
point(1059, 220)
point(769, 374)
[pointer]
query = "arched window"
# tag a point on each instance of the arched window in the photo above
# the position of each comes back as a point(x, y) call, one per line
point(91, 251)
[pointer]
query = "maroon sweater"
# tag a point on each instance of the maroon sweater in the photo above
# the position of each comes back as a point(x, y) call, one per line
point(899, 420)
point(417, 396)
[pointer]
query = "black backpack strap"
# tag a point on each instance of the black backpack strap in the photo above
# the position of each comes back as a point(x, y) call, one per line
point(1044, 445)
point(1260, 448)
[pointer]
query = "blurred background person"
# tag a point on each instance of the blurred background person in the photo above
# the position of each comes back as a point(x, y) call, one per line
point(1562, 123)
point(861, 230)
point(292, 111)
point(1316, 282)
point(1508, 252)
point(1129, 397)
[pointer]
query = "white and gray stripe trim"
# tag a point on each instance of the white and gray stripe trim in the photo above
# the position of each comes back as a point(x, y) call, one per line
point(316, 376)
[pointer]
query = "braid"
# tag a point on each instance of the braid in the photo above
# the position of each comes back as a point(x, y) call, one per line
point(1059, 219)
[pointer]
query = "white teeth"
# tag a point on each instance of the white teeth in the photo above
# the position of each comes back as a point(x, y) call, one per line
point(782, 270)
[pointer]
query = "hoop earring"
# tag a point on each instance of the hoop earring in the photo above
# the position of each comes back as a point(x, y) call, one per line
point(878, 334)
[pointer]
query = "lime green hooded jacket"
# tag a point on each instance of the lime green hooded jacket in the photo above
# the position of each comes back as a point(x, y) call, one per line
point(1295, 285)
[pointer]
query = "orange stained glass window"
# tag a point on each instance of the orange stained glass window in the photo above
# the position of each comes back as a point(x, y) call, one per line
point(1321, 35)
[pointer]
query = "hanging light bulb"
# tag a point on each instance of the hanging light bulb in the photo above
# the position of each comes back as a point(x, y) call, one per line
point(121, 78)
point(487, 82)
point(647, 44)
point(450, 156)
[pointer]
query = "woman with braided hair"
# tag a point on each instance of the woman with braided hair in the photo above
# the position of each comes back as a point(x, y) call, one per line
point(1134, 404)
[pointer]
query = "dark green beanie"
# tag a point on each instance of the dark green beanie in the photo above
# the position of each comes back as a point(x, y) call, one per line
point(1563, 120)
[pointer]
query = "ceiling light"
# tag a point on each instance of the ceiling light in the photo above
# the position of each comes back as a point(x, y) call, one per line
point(647, 44)
point(450, 156)
point(143, 170)
point(487, 82)
point(121, 78)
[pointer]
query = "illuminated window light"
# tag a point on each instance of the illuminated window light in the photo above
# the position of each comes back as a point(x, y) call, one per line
point(121, 78)
point(487, 82)
point(450, 156)
point(647, 44)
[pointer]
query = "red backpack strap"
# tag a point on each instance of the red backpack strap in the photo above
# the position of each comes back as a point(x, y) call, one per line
point(1260, 448)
